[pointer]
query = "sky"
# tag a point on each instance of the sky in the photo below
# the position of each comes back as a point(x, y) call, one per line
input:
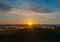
point(35, 11)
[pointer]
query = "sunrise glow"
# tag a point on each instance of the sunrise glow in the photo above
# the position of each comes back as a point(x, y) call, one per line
point(29, 23)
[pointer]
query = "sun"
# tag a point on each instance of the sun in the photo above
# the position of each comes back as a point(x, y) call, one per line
point(30, 23)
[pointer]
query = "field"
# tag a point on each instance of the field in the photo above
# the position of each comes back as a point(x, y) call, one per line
point(25, 33)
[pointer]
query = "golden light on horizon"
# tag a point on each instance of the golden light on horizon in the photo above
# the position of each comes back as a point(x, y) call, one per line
point(30, 23)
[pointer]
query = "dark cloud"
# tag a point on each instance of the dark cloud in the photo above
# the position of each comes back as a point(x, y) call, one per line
point(35, 8)
point(4, 6)
point(39, 9)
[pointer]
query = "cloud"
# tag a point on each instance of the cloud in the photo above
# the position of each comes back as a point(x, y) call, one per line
point(4, 7)
point(34, 7)
point(51, 16)
point(26, 9)
point(29, 9)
